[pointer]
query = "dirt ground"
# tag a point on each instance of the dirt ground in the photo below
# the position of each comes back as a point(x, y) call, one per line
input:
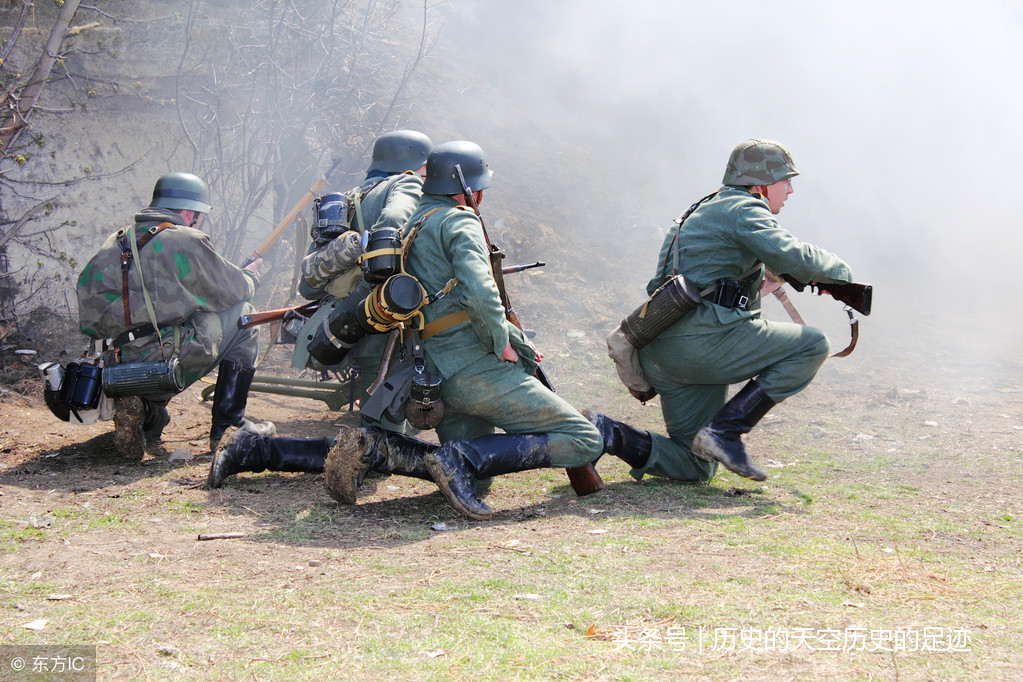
point(956, 443)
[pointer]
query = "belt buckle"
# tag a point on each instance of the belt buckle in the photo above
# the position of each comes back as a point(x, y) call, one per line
point(743, 303)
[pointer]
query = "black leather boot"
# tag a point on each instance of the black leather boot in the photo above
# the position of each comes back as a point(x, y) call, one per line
point(720, 441)
point(232, 393)
point(625, 442)
point(456, 465)
point(157, 419)
point(247, 451)
point(357, 451)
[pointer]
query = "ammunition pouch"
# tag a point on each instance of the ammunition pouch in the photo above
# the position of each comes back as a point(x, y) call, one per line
point(731, 293)
point(143, 378)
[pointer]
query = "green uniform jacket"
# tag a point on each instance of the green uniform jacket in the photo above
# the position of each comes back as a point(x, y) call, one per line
point(184, 275)
point(451, 244)
point(726, 236)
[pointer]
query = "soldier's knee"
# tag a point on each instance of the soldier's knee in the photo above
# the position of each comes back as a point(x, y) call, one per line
point(816, 343)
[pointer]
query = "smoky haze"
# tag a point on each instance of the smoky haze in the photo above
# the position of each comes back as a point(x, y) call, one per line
point(900, 116)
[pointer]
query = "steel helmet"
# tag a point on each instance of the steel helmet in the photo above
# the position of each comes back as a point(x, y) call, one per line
point(400, 151)
point(441, 177)
point(181, 191)
point(759, 162)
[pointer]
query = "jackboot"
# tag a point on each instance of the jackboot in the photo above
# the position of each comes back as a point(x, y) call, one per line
point(456, 465)
point(247, 451)
point(625, 442)
point(229, 399)
point(720, 441)
point(157, 419)
point(357, 451)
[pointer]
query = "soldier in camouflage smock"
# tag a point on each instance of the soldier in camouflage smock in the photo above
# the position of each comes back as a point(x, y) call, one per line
point(197, 297)
point(331, 273)
point(486, 363)
point(728, 238)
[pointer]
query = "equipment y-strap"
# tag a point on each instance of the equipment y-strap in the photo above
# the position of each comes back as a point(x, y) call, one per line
point(678, 230)
point(131, 243)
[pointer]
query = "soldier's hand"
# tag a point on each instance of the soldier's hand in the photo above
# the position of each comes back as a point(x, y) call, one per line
point(509, 354)
point(253, 267)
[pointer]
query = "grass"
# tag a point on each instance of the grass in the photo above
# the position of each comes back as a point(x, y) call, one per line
point(839, 565)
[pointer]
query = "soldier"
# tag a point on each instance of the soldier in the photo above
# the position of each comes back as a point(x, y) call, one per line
point(331, 273)
point(162, 292)
point(487, 364)
point(722, 248)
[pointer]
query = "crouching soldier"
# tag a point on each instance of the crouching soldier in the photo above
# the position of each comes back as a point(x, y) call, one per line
point(486, 364)
point(166, 298)
point(721, 247)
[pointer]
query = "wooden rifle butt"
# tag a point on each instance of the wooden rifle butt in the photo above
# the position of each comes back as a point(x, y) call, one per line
point(585, 480)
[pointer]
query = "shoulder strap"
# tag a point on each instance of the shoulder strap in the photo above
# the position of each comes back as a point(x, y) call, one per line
point(129, 253)
point(130, 242)
point(357, 200)
point(678, 230)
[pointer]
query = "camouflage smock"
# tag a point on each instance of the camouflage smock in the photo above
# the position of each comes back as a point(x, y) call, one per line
point(184, 275)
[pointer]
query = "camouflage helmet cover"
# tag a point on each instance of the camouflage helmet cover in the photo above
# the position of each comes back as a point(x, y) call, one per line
point(759, 162)
point(441, 177)
point(182, 191)
point(400, 151)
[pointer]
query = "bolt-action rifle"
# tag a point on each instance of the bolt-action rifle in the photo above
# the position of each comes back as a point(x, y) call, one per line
point(306, 309)
point(584, 479)
point(292, 215)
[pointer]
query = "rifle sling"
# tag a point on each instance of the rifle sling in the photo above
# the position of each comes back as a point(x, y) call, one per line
point(854, 324)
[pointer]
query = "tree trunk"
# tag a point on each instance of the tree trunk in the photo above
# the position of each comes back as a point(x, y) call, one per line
point(30, 93)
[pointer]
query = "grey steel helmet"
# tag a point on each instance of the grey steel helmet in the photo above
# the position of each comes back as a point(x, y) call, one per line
point(759, 162)
point(440, 168)
point(182, 191)
point(400, 151)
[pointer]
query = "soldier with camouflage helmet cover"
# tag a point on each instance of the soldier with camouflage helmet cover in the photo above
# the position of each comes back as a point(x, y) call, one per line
point(164, 270)
point(722, 247)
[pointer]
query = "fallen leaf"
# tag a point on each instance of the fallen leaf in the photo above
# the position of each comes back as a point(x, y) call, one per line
point(36, 624)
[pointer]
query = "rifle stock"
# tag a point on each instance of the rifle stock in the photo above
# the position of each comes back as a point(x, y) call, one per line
point(292, 215)
point(857, 296)
point(267, 316)
point(584, 479)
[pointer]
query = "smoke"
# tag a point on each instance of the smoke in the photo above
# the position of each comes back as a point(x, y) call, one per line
point(901, 116)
